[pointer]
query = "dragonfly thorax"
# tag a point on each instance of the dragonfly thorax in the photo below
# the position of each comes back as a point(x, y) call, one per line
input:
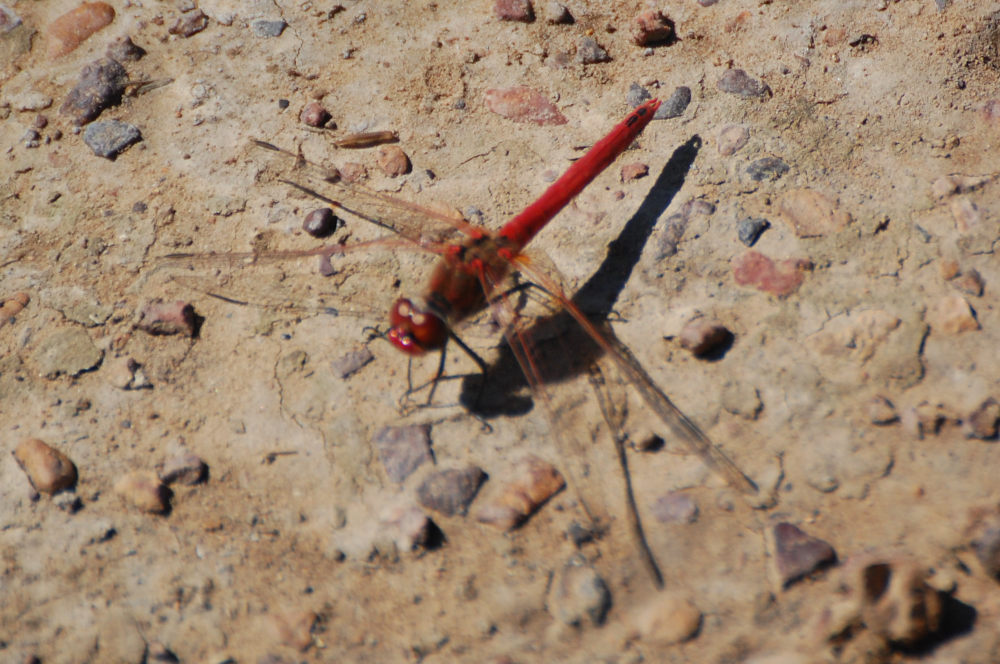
point(415, 330)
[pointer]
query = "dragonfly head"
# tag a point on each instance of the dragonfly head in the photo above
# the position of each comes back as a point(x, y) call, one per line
point(414, 330)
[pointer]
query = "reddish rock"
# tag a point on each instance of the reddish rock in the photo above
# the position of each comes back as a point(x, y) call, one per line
point(634, 171)
point(392, 160)
point(780, 279)
point(514, 10)
point(72, 28)
point(652, 27)
point(523, 104)
point(12, 307)
point(314, 115)
point(189, 24)
point(970, 282)
point(159, 317)
point(353, 172)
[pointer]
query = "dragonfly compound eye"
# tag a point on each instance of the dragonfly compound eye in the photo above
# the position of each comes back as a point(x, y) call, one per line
point(415, 331)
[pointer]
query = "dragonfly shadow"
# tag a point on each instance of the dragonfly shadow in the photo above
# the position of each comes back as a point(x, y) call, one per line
point(501, 394)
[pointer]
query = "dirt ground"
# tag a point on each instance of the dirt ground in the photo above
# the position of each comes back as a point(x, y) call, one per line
point(855, 390)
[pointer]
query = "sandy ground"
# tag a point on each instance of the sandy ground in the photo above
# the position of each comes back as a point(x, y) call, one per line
point(283, 553)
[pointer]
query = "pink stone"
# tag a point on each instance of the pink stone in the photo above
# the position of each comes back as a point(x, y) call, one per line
point(951, 315)
point(514, 10)
point(781, 279)
point(523, 104)
point(652, 27)
point(811, 214)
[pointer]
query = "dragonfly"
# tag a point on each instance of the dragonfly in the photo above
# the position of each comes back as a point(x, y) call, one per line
point(470, 275)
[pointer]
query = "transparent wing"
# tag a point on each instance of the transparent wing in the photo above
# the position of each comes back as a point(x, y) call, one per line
point(679, 424)
point(420, 224)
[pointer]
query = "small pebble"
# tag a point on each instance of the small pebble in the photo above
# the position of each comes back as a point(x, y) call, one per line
point(523, 104)
point(407, 526)
point(665, 619)
point(189, 24)
point(164, 318)
point(951, 315)
point(12, 306)
point(812, 214)
point(767, 168)
point(267, 28)
point(72, 28)
point(102, 84)
point(392, 160)
point(531, 482)
point(634, 171)
point(40, 122)
point(675, 507)
point(283, 104)
point(321, 222)
point(738, 82)
point(110, 138)
point(514, 10)
point(294, 628)
point(675, 106)
point(403, 449)
point(589, 52)
point(750, 230)
point(675, 225)
point(698, 206)
point(732, 138)
point(451, 491)
point(160, 653)
point(127, 374)
point(68, 502)
point(636, 95)
point(705, 337)
point(881, 411)
point(780, 279)
point(797, 554)
point(28, 102)
point(652, 27)
point(352, 362)
point(143, 490)
point(48, 469)
point(983, 422)
point(187, 469)
point(123, 49)
point(970, 282)
point(353, 172)
point(579, 595)
point(314, 115)
point(707, 3)
point(557, 14)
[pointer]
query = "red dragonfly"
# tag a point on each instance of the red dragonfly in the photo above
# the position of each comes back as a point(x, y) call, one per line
point(469, 275)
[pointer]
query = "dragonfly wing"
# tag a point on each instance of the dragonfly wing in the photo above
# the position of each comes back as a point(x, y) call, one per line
point(679, 424)
point(421, 224)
